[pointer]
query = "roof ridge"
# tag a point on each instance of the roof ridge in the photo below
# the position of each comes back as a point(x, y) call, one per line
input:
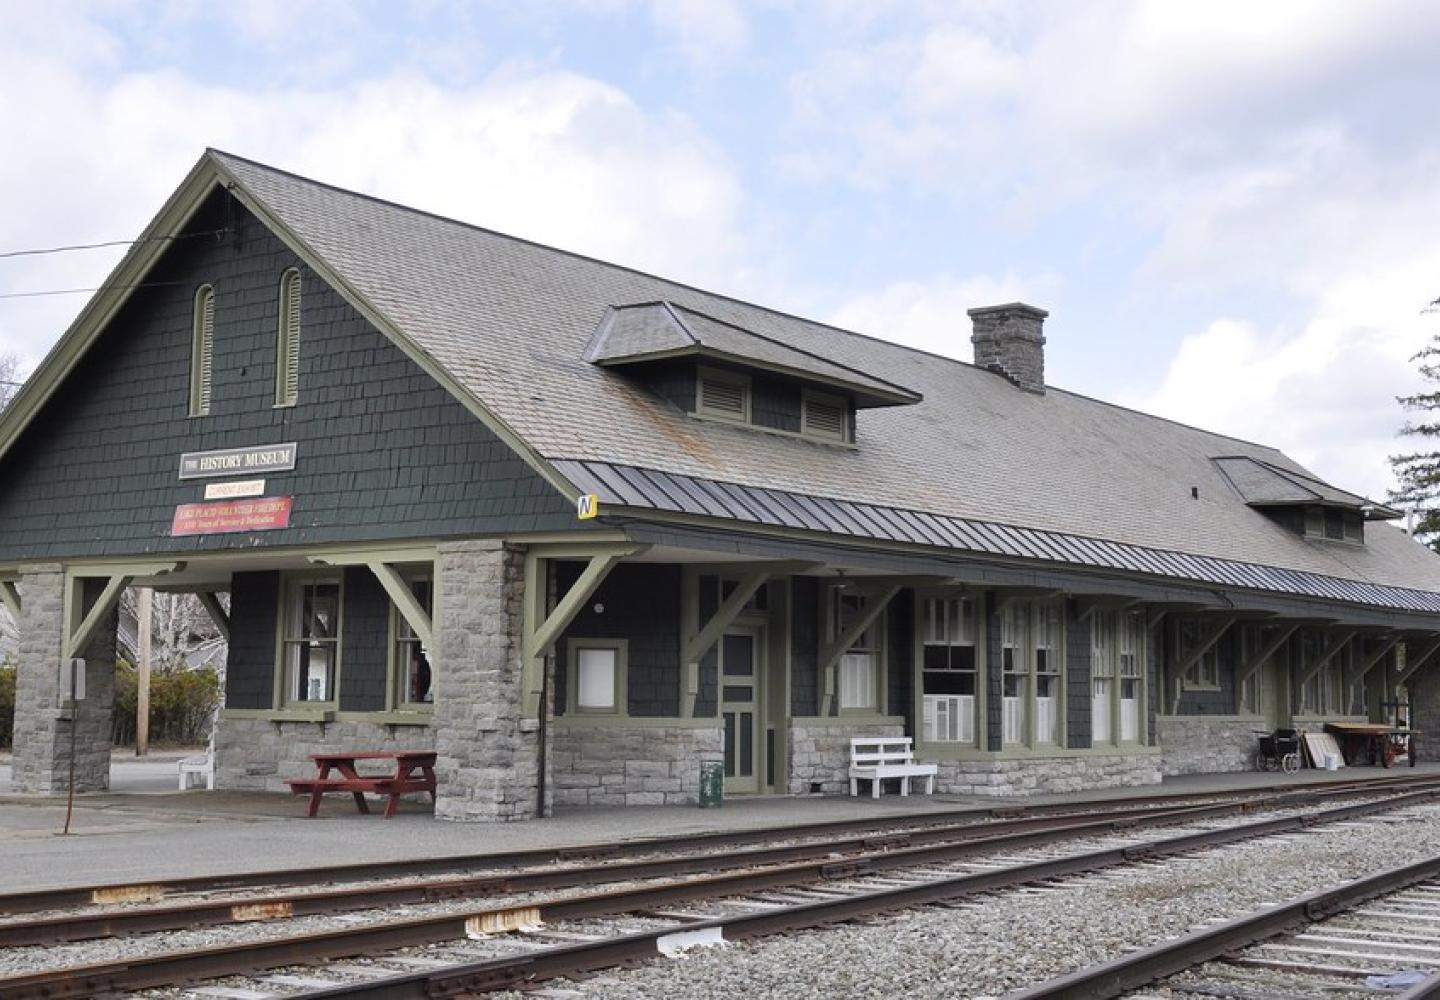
point(718, 295)
point(670, 308)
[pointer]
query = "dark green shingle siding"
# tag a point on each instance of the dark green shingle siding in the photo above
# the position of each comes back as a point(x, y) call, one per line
point(384, 451)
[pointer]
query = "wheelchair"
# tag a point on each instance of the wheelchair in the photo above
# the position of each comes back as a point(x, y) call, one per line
point(1278, 751)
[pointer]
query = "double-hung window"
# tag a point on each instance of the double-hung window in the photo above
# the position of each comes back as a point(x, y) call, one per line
point(1323, 691)
point(311, 641)
point(1046, 633)
point(1031, 665)
point(949, 669)
point(414, 678)
point(859, 667)
point(1014, 673)
point(1117, 676)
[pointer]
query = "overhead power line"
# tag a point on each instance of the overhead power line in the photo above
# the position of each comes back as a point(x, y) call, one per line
point(109, 243)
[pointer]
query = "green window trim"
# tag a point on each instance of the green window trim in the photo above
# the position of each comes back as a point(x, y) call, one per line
point(1026, 671)
point(397, 679)
point(202, 351)
point(284, 701)
point(287, 341)
point(619, 680)
point(722, 395)
point(871, 643)
point(1114, 635)
point(927, 634)
point(1204, 675)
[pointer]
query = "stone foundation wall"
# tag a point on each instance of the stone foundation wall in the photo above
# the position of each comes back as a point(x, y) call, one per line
point(630, 765)
point(1084, 772)
point(820, 756)
point(256, 755)
point(1197, 744)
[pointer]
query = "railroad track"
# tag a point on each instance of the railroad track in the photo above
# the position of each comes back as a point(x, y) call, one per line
point(471, 951)
point(70, 897)
point(1380, 932)
point(846, 840)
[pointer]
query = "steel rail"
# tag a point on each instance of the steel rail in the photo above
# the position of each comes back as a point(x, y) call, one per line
point(503, 973)
point(252, 909)
point(178, 967)
point(1140, 968)
point(67, 897)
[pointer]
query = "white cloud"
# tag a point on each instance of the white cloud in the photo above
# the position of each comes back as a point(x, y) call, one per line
point(707, 33)
point(1322, 392)
point(931, 315)
point(549, 155)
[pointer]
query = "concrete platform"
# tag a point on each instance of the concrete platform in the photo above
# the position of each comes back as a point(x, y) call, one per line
point(128, 835)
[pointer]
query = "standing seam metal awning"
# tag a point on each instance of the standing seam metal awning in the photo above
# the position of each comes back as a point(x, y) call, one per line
point(632, 487)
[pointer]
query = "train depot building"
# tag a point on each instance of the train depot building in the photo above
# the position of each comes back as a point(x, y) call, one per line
point(580, 530)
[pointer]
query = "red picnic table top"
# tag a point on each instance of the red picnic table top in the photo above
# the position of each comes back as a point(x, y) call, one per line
point(402, 780)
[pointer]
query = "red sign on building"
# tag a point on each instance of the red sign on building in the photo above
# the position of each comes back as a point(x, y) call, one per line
point(264, 514)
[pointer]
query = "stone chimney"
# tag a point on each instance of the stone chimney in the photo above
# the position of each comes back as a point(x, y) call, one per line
point(1009, 339)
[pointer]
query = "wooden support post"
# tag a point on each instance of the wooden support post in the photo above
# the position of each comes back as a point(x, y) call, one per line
point(405, 601)
point(1207, 642)
point(1262, 656)
point(1414, 663)
point(542, 630)
point(1373, 660)
point(1333, 645)
point(78, 637)
point(213, 608)
point(143, 651)
point(830, 654)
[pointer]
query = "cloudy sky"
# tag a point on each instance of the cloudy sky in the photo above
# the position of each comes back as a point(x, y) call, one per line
point(1230, 209)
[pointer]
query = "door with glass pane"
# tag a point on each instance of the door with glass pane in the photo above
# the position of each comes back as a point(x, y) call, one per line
point(740, 679)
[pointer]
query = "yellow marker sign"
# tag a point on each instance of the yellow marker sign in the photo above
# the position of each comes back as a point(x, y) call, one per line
point(587, 507)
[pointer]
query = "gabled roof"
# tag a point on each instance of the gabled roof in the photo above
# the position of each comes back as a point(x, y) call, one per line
point(1262, 484)
point(505, 325)
point(655, 331)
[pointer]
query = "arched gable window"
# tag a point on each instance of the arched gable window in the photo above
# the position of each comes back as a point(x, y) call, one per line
point(202, 351)
point(287, 342)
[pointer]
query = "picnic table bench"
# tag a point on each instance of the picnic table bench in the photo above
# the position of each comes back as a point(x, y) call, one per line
point(414, 772)
point(881, 757)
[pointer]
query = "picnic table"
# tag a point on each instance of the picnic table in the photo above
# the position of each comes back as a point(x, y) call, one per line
point(414, 772)
point(1377, 742)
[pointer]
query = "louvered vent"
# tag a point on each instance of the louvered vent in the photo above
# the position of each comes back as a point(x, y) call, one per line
point(723, 398)
point(202, 352)
point(825, 418)
point(287, 354)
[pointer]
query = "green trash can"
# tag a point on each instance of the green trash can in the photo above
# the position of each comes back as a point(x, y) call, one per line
point(712, 784)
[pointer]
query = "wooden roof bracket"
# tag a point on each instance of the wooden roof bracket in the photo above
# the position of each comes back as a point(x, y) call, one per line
point(835, 648)
point(1412, 665)
point(1250, 667)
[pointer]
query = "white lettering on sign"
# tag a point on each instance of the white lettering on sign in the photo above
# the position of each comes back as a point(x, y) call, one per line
point(229, 491)
point(263, 458)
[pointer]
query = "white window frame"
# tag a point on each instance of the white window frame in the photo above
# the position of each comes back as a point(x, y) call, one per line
point(290, 637)
point(202, 351)
point(573, 649)
point(942, 713)
point(1023, 625)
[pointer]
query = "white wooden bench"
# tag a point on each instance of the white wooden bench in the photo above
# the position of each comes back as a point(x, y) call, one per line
point(879, 757)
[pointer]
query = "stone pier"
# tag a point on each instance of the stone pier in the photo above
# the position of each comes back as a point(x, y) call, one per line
point(44, 724)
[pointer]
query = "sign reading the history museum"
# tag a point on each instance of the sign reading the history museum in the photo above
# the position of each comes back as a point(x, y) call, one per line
point(264, 514)
point(235, 461)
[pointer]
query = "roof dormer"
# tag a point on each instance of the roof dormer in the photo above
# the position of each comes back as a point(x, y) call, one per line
point(1300, 502)
point(719, 371)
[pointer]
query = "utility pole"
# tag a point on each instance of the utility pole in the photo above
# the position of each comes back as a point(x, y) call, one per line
point(142, 673)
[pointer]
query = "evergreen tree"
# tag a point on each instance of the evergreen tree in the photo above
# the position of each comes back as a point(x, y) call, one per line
point(1418, 472)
